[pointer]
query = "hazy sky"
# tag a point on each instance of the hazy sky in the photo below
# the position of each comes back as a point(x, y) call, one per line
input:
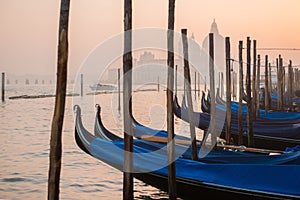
point(29, 28)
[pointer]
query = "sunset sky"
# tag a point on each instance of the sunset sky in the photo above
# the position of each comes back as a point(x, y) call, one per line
point(29, 29)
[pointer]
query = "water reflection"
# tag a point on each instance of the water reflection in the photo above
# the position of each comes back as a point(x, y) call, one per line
point(25, 126)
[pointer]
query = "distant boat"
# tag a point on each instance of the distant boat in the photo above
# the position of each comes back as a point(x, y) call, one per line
point(100, 86)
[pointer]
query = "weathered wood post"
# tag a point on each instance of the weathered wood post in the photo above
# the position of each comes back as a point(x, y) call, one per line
point(277, 82)
point(187, 79)
point(212, 89)
point(280, 86)
point(119, 90)
point(170, 108)
point(81, 85)
point(158, 84)
point(127, 103)
point(205, 88)
point(258, 87)
point(254, 81)
point(293, 82)
point(290, 81)
point(228, 90)
point(241, 91)
point(267, 105)
point(222, 85)
point(59, 109)
point(284, 86)
point(219, 86)
point(198, 85)
point(270, 86)
point(195, 85)
point(3, 87)
point(249, 99)
point(176, 80)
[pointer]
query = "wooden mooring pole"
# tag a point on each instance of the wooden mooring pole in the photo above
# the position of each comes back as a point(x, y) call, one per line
point(176, 80)
point(81, 85)
point(254, 80)
point(3, 87)
point(212, 89)
point(241, 91)
point(258, 88)
point(59, 109)
point(119, 90)
point(127, 103)
point(228, 90)
point(270, 85)
point(249, 99)
point(187, 79)
point(290, 89)
point(158, 84)
point(280, 85)
point(199, 85)
point(205, 87)
point(222, 85)
point(172, 191)
point(267, 105)
point(195, 85)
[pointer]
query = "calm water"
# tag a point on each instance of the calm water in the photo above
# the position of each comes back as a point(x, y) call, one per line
point(25, 126)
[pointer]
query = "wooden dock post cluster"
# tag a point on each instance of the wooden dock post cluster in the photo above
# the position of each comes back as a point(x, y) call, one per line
point(257, 96)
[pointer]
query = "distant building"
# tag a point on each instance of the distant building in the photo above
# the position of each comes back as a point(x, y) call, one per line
point(146, 69)
point(219, 50)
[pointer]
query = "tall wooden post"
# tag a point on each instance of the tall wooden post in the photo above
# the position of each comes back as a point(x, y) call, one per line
point(290, 81)
point(198, 85)
point(187, 79)
point(280, 87)
point(222, 85)
point(258, 87)
point(277, 82)
point(212, 89)
point(195, 85)
point(127, 103)
point(241, 91)
point(249, 101)
point(170, 108)
point(267, 106)
point(284, 86)
point(81, 85)
point(228, 90)
point(233, 85)
point(158, 83)
point(59, 109)
point(270, 85)
point(205, 88)
point(119, 90)
point(3, 87)
point(176, 80)
point(254, 80)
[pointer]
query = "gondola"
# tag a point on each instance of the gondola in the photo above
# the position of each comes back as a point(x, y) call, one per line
point(271, 117)
point(221, 154)
point(195, 179)
point(266, 135)
point(274, 100)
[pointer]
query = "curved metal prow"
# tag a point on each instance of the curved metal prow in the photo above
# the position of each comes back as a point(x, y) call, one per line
point(82, 136)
